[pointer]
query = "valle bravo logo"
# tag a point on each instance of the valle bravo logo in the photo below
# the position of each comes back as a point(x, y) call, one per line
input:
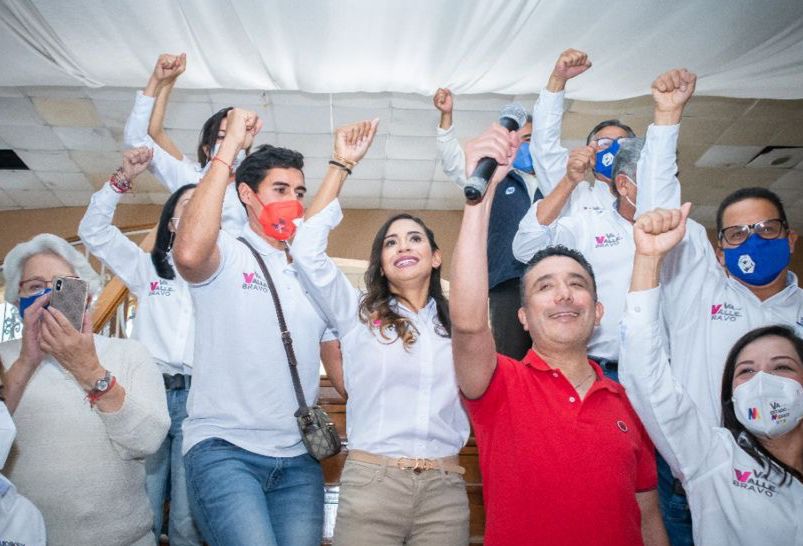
point(753, 481)
point(752, 414)
point(252, 281)
point(161, 287)
point(607, 240)
point(725, 312)
point(778, 413)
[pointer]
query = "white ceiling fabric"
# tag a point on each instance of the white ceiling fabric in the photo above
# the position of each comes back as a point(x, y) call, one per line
point(739, 48)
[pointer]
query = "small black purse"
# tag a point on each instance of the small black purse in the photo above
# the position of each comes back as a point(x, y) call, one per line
point(318, 433)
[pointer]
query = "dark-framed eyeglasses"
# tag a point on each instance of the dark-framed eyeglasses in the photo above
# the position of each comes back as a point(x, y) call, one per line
point(34, 285)
point(767, 229)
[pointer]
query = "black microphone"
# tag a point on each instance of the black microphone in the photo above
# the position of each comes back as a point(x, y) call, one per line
point(512, 117)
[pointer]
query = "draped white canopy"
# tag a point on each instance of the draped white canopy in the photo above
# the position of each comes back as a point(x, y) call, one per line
point(739, 48)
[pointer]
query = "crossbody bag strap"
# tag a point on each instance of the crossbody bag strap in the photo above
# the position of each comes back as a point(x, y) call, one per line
point(287, 340)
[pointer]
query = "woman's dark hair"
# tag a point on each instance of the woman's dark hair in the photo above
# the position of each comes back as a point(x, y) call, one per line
point(375, 308)
point(209, 132)
point(743, 437)
point(164, 237)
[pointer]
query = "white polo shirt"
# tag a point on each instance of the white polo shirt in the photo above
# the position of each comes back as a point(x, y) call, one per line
point(402, 403)
point(706, 311)
point(174, 173)
point(164, 322)
point(732, 498)
point(604, 237)
point(242, 391)
point(550, 158)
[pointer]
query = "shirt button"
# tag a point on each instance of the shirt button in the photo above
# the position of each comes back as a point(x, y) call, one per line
point(554, 374)
point(637, 309)
point(572, 399)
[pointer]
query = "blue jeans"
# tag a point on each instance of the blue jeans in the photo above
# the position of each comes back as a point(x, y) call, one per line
point(165, 473)
point(239, 497)
point(674, 507)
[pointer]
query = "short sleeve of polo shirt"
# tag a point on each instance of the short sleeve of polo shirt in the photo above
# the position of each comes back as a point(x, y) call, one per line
point(224, 245)
point(482, 410)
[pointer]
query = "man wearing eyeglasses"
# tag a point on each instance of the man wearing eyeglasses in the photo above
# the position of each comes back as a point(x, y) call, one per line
point(710, 298)
point(568, 215)
point(715, 296)
point(550, 157)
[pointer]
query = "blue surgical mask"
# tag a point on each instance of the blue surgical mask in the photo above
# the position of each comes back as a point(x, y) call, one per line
point(758, 261)
point(523, 160)
point(605, 158)
point(27, 301)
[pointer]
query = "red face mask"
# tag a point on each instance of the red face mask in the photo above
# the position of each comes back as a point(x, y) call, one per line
point(277, 218)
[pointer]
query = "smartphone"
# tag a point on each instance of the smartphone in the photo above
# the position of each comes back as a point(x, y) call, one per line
point(69, 297)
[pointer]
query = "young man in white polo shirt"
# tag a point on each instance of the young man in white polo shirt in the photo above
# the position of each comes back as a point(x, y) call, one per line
point(250, 478)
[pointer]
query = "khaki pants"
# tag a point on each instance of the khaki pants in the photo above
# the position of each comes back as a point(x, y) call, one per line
point(382, 505)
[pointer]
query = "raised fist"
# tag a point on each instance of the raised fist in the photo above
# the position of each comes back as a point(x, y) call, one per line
point(581, 160)
point(658, 231)
point(673, 89)
point(242, 126)
point(135, 161)
point(169, 67)
point(571, 63)
point(352, 141)
point(443, 100)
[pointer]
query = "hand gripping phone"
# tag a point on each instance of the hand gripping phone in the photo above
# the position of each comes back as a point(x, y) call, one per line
point(69, 297)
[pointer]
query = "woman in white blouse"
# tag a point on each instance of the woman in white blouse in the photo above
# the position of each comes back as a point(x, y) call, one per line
point(744, 480)
point(402, 483)
point(164, 323)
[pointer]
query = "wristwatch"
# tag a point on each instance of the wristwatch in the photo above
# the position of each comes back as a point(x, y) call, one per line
point(103, 384)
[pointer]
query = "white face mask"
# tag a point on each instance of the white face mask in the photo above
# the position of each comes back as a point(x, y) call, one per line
point(768, 405)
point(7, 433)
point(632, 204)
point(236, 163)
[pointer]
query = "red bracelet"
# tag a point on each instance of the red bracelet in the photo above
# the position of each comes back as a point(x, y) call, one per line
point(216, 158)
point(94, 396)
point(119, 182)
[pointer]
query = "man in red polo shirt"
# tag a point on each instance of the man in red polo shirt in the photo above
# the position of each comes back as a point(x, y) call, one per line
point(564, 458)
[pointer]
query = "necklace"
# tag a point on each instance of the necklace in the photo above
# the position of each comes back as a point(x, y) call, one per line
point(589, 376)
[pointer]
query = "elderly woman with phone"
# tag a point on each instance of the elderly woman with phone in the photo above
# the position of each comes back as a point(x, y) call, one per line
point(88, 408)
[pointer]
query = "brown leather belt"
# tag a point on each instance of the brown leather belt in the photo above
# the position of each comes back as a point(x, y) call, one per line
point(416, 464)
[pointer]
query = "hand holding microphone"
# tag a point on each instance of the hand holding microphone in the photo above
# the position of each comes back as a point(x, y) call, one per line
point(494, 145)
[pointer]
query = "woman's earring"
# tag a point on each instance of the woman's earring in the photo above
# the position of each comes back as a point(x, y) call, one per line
point(170, 244)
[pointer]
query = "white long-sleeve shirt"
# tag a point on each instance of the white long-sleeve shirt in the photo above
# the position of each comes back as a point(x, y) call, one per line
point(605, 238)
point(174, 173)
point(20, 521)
point(402, 403)
point(453, 161)
point(165, 322)
point(732, 500)
point(706, 311)
point(550, 157)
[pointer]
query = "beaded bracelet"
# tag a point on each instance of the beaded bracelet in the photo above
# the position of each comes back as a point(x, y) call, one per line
point(119, 182)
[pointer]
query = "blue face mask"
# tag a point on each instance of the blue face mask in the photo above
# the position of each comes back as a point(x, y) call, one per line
point(523, 160)
point(758, 261)
point(27, 301)
point(604, 160)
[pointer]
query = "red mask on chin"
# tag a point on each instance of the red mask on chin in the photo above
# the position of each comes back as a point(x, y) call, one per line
point(277, 218)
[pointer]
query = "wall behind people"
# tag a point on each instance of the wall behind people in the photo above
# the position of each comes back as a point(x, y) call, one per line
point(349, 240)
point(352, 239)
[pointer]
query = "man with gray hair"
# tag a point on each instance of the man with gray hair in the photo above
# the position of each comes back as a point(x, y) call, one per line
point(605, 239)
point(604, 234)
